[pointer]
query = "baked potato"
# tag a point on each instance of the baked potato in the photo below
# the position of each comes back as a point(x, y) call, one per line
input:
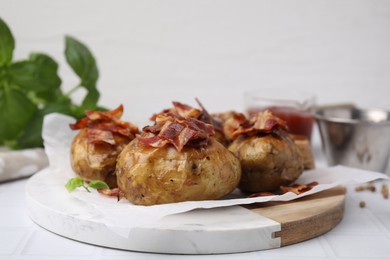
point(267, 162)
point(175, 160)
point(269, 157)
point(157, 175)
point(96, 161)
point(303, 144)
point(94, 150)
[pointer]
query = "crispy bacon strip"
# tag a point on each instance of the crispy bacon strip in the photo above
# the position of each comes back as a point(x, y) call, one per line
point(81, 123)
point(115, 114)
point(152, 140)
point(110, 192)
point(115, 192)
point(298, 188)
point(185, 110)
point(295, 188)
point(229, 122)
point(261, 194)
point(177, 130)
point(177, 134)
point(100, 136)
point(262, 122)
point(97, 116)
point(266, 121)
point(103, 125)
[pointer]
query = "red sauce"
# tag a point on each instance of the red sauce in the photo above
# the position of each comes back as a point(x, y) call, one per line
point(299, 122)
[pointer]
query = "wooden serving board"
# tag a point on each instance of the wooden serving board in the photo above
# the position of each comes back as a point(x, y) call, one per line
point(307, 217)
point(201, 231)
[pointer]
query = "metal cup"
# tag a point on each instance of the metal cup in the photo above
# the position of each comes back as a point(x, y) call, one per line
point(354, 137)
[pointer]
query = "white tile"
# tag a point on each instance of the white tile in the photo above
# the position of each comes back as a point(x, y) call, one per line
point(43, 242)
point(384, 219)
point(14, 217)
point(14, 185)
point(357, 222)
point(110, 252)
point(360, 246)
point(10, 239)
point(308, 248)
point(12, 193)
point(12, 199)
point(124, 254)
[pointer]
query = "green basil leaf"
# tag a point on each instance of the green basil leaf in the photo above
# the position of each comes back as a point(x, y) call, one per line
point(74, 183)
point(45, 96)
point(83, 64)
point(62, 105)
point(16, 111)
point(98, 184)
point(91, 99)
point(7, 44)
point(32, 134)
point(82, 61)
point(39, 74)
point(45, 60)
point(49, 76)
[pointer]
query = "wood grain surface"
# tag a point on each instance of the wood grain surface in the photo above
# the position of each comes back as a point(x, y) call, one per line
point(307, 217)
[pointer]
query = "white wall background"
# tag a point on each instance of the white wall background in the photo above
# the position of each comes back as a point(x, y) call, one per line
point(152, 52)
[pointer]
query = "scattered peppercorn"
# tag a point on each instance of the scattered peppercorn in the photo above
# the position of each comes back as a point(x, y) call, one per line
point(368, 186)
point(385, 191)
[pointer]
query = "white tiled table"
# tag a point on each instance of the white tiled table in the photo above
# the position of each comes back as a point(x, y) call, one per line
point(364, 233)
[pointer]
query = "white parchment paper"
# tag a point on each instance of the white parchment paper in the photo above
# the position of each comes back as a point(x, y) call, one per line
point(122, 216)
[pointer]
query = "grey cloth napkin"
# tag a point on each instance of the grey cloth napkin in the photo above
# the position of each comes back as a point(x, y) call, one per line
point(21, 163)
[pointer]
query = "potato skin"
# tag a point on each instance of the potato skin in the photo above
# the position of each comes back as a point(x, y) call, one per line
point(267, 162)
point(96, 161)
point(149, 176)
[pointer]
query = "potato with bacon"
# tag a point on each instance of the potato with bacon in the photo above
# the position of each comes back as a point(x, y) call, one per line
point(95, 148)
point(269, 157)
point(176, 159)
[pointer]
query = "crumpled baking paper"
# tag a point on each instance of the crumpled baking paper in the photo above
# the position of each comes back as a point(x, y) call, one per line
point(121, 216)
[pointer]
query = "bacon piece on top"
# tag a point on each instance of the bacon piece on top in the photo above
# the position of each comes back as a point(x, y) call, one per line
point(178, 129)
point(103, 125)
point(262, 122)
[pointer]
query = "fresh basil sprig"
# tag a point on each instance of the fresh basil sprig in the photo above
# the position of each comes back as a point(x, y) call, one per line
point(78, 182)
point(31, 89)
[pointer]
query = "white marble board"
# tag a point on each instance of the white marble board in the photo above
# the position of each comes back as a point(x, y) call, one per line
point(202, 231)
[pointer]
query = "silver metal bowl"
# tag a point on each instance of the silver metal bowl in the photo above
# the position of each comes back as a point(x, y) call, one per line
point(355, 137)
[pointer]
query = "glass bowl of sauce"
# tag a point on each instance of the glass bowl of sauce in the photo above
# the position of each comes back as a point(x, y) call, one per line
point(293, 106)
